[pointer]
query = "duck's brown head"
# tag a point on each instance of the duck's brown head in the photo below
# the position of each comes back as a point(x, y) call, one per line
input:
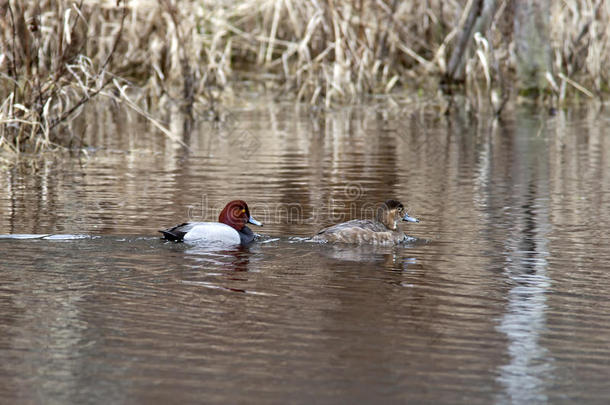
point(392, 211)
point(236, 214)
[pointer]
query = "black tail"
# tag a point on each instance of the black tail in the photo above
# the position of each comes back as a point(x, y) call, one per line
point(174, 234)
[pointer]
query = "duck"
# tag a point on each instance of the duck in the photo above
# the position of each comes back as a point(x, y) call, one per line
point(230, 229)
point(383, 230)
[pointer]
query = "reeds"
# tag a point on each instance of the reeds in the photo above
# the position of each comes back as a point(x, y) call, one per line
point(50, 68)
point(57, 55)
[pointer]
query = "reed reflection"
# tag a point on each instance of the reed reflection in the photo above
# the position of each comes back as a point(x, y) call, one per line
point(524, 243)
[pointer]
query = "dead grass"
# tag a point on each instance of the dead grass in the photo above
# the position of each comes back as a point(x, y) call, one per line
point(57, 55)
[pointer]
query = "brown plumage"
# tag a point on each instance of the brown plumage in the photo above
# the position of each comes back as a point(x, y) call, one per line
point(382, 230)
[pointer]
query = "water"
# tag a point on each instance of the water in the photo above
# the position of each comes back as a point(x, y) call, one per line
point(503, 297)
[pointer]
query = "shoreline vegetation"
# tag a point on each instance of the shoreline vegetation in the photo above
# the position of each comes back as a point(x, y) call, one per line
point(58, 55)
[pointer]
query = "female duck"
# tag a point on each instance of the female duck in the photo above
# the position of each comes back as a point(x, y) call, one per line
point(230, 229)
point(383, 230)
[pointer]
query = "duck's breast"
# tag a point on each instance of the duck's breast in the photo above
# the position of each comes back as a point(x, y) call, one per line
point(212, 232)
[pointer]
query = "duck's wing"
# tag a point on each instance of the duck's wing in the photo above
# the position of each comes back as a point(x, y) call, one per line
point(366, 224)
point(177, 232)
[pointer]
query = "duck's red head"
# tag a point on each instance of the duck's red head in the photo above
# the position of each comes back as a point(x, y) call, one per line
point(236, 214)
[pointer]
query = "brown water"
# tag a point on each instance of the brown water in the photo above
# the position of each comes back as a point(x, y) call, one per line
point(504, 297)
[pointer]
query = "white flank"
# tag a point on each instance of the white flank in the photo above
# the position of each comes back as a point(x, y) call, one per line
point(212, 232)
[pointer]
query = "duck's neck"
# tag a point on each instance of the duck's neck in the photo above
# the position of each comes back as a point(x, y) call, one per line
point(388, 218)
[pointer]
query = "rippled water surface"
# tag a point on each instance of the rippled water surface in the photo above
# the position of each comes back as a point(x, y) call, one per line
point(503, 297)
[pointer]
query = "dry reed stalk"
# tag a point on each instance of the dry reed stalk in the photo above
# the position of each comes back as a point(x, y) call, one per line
point(58, 54)
point(48, 79)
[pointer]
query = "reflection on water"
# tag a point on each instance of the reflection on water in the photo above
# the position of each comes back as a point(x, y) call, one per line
point(530, 369)
point(501, 296)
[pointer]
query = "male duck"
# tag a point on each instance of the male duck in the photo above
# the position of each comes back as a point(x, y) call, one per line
point(230, 229)
point(382, 230)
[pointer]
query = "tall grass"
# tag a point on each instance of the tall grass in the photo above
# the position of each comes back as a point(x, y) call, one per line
point(57, 55)
point(51, 66)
